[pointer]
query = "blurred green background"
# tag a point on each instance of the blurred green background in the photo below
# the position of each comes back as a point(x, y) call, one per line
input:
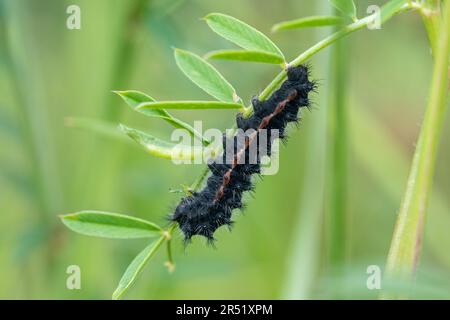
point(279, 247)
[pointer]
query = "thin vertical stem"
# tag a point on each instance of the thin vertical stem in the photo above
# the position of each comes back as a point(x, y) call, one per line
point(170, 264)
point(406, 243)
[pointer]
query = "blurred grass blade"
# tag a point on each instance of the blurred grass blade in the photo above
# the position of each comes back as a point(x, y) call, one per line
point(109, 130)
point(304, 257)
point(205, 76)
point(136, 267)
point(17, 180)
point(337, 213)
point(162, 149)
point(134, 98)
point(405, 248)
point(8, 127)
point(188, 105)
point(101, 127)
point(347, 7)
point(31, 239)
point(241, 34)
point(244, 55)
point(110, 225)
point(308, 22)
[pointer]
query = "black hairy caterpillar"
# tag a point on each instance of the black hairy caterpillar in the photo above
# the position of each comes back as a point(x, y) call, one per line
point(203, 212)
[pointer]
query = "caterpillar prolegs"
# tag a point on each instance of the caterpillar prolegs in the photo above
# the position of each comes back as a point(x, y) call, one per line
point(203, 212)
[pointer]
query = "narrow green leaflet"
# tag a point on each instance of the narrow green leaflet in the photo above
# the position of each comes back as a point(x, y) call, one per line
point(136, 267)
point(188, 105)
point(134, 98)
point(205, 76)
point(110, 225)
point(308, 22)
point(162, 149)
point(244, 55)
point(347, 7)
point(241, 34)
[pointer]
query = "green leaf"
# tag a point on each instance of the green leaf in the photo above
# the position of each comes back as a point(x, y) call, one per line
point(189, 105)
point(136, 267)
point(134, 98)
point(241, 34)
point(205, 76)
point(244, 55)
point(308, 22)
point(110, 225)
point(160, 148)
point(347, 7)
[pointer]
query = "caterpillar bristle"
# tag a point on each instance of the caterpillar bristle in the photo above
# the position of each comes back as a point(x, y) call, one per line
point(203, 212)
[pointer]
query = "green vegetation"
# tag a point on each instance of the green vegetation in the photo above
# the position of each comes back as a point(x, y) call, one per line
point(373, 85)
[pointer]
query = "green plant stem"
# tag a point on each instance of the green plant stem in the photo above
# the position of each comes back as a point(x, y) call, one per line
point(169, 251)
point(430, 11)
point(345, 31)
point(198, 182)
point(405, 248)
point(170, 264)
